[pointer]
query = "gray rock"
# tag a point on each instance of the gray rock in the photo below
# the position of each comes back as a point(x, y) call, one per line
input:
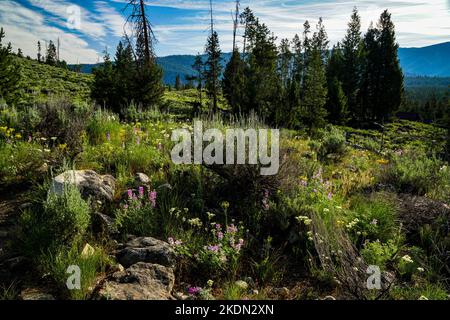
point(35, 294)
point(329, 298)
point(146, 249)
point(104, 224)
point(141, 179)
point(90, 184)
point(142, 281)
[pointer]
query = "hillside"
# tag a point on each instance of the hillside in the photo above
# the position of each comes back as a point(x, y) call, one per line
point(39, 81)
point(430, 61)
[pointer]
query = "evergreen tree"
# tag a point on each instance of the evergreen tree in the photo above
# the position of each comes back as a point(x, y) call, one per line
point(370, 87)
point(199, 66)
point(19, 53)
point(148, 88)
point(9, 73)
point(178, 84)
point(39, 54)
point(51, 56)
point(233, 83)
point(337, 104)
point(391, 76)
point(103, 86)
point(351, 75)
point(213, 69)
point(315, 96)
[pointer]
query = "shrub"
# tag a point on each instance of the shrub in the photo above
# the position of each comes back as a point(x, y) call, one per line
point(60, 220)
point(56, 262)
point(331, 145)
point(415, 172)
point(425, 291)
point(378, 253)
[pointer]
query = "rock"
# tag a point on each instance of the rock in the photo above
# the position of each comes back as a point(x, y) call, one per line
point(88, 251)
point(181, 296)
point(141, 180)
point(329, 298)
point(35, 294)
point(241, 284)
point(90, 184)
point(147, 249)
point(142, 281)
point(282, 292)
point(104, 224)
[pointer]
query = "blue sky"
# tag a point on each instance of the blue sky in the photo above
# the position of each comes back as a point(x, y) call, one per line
point(181, 25)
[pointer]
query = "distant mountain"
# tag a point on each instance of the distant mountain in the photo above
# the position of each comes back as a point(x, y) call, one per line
point(431, 61)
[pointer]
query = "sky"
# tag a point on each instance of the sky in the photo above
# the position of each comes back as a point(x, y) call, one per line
point(86, 27)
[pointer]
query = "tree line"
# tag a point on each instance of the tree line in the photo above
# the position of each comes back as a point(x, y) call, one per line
point(301, 81)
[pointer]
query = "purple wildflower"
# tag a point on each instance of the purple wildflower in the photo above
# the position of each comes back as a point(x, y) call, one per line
point(171, 241)
point(213, 248)
point(141, 192)
point(330, 196)
point(218, 227)
point(152, 197)
point(232, 229)
point(220, 235)
point(130, 194)
point(108, 136)
point(194, 290)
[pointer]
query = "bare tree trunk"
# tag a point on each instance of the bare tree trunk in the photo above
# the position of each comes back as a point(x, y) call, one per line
point(146, 35)
point(236, 21)
point(214, 71)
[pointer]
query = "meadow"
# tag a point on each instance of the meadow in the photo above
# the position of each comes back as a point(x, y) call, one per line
point(343, 201)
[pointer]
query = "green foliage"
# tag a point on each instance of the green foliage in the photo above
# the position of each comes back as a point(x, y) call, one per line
point(55, 263)
point(378, 253)
point(61, 219)
point(331, 144)
point(424, 291)
point(372, 218)
point(10, 73)
point(413, 171)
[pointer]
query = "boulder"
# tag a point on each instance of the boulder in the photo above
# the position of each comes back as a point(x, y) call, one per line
point(146, 249)
point(90, 184)
point(35, 294)
point(141, 180)
point(142, 281)
point(104, 224)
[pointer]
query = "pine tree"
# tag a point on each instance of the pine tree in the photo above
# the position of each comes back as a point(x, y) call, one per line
point(10, 73)
point(233, 83)
point(199, 66)
point(148, 82)
point(337, 104)
point(391, 75)
point(178, 84)
point(351, 75)
point(19, 53)
point(104, 84)
point(51, 57)
point(213, 69)
point(370, 87)
point(39, 54)
point(315, 96)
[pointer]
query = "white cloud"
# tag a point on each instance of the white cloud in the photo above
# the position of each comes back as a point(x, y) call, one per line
point(25, 27)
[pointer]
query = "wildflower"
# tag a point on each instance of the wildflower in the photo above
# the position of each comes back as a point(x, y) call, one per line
point(420, 269)
point(210, 215)
point(330, 196)
point(225, 205)
point(326, 210)
point(171, 241)
point(130, 194)
point(218, 227)
point(193, 291)
point(141, 192)
point(374, 222)
point(220, 235)
point(125, 206)
point(152, 197)
point(108, 137)
point(213, 248)
point(232, 229)
point(407, 258)
point(138, 140)
point(210, 283)
point(195, 222)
